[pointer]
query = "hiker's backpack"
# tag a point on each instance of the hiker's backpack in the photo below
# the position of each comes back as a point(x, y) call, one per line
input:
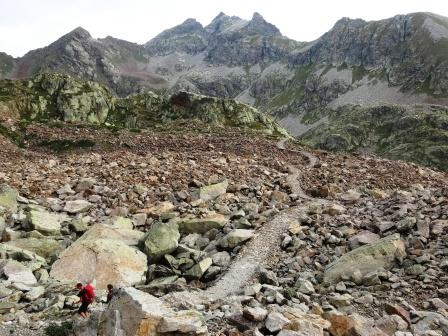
point(89, 293)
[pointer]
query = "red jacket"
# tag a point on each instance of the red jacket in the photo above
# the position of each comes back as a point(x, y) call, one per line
point(87, 293)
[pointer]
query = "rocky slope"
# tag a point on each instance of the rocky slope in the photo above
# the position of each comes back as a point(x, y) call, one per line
point(364, 252)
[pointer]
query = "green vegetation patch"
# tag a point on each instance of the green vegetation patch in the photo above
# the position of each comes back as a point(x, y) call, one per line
point(14, 136)
point(66, 145)
point(64, 329)
point(358, 73)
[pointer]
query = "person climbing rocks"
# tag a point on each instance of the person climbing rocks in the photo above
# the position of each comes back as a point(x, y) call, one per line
point(110, 293)
point(86, 297)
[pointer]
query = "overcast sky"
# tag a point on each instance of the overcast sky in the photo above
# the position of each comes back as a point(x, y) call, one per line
point(31, 24)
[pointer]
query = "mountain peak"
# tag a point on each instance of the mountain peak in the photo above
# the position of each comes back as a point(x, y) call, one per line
point(190, 21)
point(222, 22)
point(258, 25)
point(257, 16)
point(79, 33)
point(189, 26)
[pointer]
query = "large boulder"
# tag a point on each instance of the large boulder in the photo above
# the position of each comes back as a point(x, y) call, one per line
point(102, 260)
point(45, 222)
point(376, 256)
point(202, 225)
point(8, 198)
point(136, 313)
point(161, 239)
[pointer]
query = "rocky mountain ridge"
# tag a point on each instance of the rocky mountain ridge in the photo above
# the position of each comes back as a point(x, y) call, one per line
point(401, 60)
point(408, 49)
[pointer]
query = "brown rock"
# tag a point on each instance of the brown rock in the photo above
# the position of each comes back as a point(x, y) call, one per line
point(392, 309)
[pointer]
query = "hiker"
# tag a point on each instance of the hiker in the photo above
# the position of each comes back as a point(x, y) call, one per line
point(110, 293)
point(86, 296)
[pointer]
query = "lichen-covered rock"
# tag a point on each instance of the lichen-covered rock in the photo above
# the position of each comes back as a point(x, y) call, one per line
point(188, 322)
point(30, 259)
point(34, 293)
point(406, 132)
point(17, 272)
point(375, 256)
point(198, 270)
point(62, 97)
point(45, 222)
point(77, 206)
point(105, 231)
point(161, 239)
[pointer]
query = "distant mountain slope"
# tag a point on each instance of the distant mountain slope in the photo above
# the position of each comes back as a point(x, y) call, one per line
point(417, 133)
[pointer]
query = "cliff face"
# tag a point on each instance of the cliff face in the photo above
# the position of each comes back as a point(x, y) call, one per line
point(409, 50)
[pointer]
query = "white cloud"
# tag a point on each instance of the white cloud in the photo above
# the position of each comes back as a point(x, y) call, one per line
point(30, 24)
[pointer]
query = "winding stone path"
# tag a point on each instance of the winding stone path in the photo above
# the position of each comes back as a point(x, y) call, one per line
point(259, 251)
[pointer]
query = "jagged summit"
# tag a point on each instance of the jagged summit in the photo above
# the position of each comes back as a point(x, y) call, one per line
point(189, 26)
point(189, 36)
point(78, 33)
point(222, 22)
point(258, 25)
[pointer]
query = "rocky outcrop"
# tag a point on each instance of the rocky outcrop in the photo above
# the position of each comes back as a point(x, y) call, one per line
point(61, 97)
point(189, 37)
point(403, 47)
point(6, 65)
point(135, 313)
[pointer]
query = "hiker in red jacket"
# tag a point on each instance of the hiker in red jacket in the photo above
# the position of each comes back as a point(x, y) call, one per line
point(86, 296)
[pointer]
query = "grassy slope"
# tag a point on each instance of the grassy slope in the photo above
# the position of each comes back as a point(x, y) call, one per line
point(416, 133)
